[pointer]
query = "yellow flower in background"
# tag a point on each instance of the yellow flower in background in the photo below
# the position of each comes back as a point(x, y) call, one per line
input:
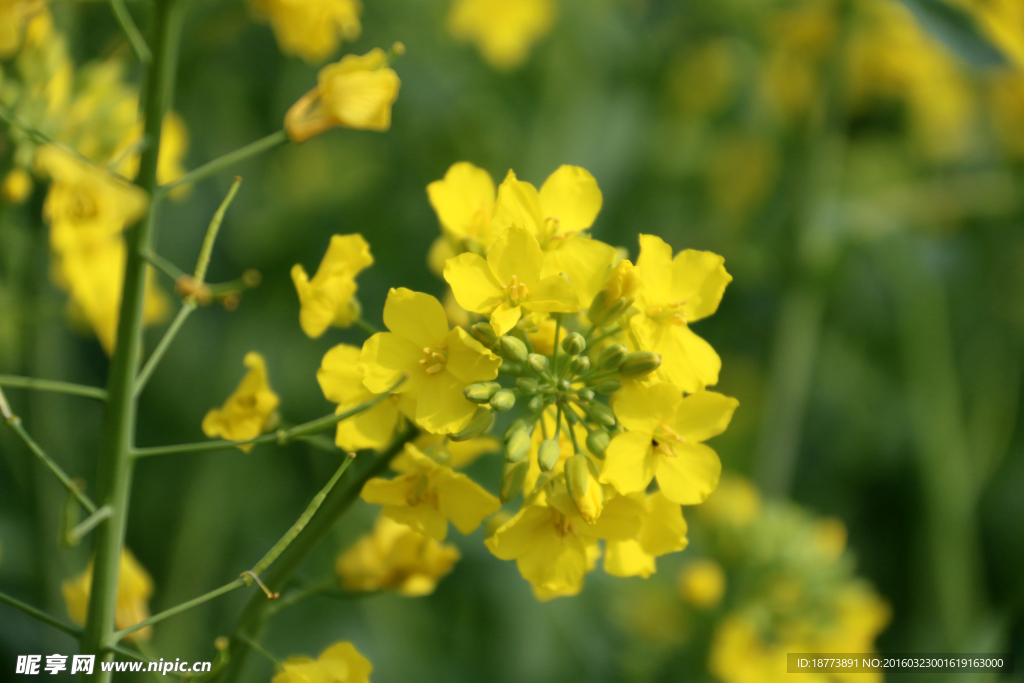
point(311, 29)
point(675, 292)
point(13, 16)
point(508, 281)
point(173, 146)
point(702, 583)
point(559, 216)
point(464, 202)
point(1003, 21)
point(663, 441)
point(742, 170)
point(429, 495)
point(17, 186)
point(341, 379)
point(437, 363)
point(249, 411)
point(134, 588)
point(503, 30)
point(735, 503)
point(340, 663)
point(329, 298)
point(552, 545)
point(663, 532)
point(395, 557)
point(356, 92)
point(454, 454)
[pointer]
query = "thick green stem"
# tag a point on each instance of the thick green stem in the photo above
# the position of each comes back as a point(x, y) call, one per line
point(54, 386)
point(336, 502)
point(115, 458)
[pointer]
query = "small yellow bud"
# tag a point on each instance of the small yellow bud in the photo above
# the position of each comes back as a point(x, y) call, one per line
point(702, 584)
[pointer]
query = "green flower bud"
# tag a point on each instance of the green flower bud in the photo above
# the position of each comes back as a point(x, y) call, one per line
point(571, 416)
point(503, 400)
point(536, 403)
point(481, 392)
point(512, 477)
point(574, 344)
point(612, 357)
point(602, 414)
point(509, 368)
point(481, 422)
point(517, 446)
point(512, 348)
point(537, 363)
point(548, 454)
point(597, 309)
point(527, 385)
point(484, 333)
point(585, 394)
point(639, 363)
point(517, 425)
point(597, 442)
point(438, 453)
point(607, 386)
point(579, 365)
point(577, 476)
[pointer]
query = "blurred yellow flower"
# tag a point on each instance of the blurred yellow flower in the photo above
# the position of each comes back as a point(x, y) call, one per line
point(311, 29)
point(436, 362)
point(340, 663)
point(17, 186)
point(395, 557)
point(329, 298)
point(675, 292)
point(428, 495)
point(736, 502)
point(702, 583)
point(134, 588)
point(13, 15)
point(503, 30)
point(341, 379)
point(356, 92)
point(663, 441)
point(455, 454)
point(464, 202)
point(249, 411)
point(663, 532)
point(508, 281)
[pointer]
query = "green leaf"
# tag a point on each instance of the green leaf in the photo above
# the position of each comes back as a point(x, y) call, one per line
point(958, 31)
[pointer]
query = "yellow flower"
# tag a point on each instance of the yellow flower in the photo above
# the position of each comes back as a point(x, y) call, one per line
point(503, 30)
point(249, 411)
point(428, 495)
point(340, 663)
point(508, 281)
point(455, 454)
point(356, 92)
point(394, 557)
point(464, 202)
point(341, 379)
point(735, 503)
point(311, 29)
point(663, 441)
point(702, 583)
point(675, 292)
point(17, 186)
point(558, 216)
point(134, 587)
point(663, 532)
point(173, 145)
point(329, 298)
point(553, 547)
point(13, 15)
point(436, 362)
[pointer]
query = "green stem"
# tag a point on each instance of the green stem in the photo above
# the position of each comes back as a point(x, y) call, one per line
point(220, 163)
point(177, 609)
point(115, 454)
point(41, 616)
point(75, 535)
point(600, 338)
point(187, 306)
point(262, 650)
point(131, 31)
point(203, 262)
point(163, 265)
point(41, 138)
point(337, 501)
point(54, 386)
point(366, 327)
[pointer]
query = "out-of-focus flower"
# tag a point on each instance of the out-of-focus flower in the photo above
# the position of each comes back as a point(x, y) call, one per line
point(503, 30)
point(340, 663)
point(329, 298)
point(436, 362)
point(395, 557)
point(249, 411)
point(740, 174)
point(341, 379)
point(311, 29)
point(702, 583)
point(17, 186)
point(13, 15)
point(663, 532)
point(134, 588)
point(356, 92)
point(464, 202)
point(456, 454)
point(702, 79)
point(734, 503)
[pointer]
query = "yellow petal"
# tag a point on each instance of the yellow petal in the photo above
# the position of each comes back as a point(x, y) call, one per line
point(703, 415)
point(585, 261)
point(464, 502)
point(340, 376)
point(440, 405)
point(371, 428)
point(627, 558)
point(416, 316)
point(687, 361)
point(518, 205)
point(690, 476)
point(553, 294)
point(699, 278)
point(463, 200)
point(572, 196)
point(644, 408)
point(621, 518)
point(385, 358)
point(516, 253)
point(504, 318)
point(664, 529)
point(469, 360)
point(655, 266)
point(629, 462)
point(344, 663)
point(473, 284)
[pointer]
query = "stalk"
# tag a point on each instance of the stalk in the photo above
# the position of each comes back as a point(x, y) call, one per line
point(115, 460)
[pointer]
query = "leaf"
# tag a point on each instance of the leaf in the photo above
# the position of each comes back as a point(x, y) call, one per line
point(958, 31)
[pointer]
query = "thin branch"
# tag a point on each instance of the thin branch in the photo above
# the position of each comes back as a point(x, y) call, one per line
point(41, 616)
point(262, 650)
point(187, 306)
point(88, 524)
point(131, 31)
point(163, 265)
point(365, 326)
point(178, 609)
point(220, 163)
point(54, 386)
point(203, 262)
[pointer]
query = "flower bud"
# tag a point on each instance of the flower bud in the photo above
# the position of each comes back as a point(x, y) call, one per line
point(602, 414)
point(536, 403)
point(517, 425)
point(549, 454)
point(503, 400)
point(512, 348)
point(517, 446)
point(585, 394)
point(574, 344)
point(612, 357)
point(512, 477)
point(586, 494)
point(597, 442)
point(481, 392)
point(538, 363)
point(527, 385)
point(640, 363)
point(607, 386)
point(571, 416)
point(484, 333)
point(579, 365)
point(481, 422)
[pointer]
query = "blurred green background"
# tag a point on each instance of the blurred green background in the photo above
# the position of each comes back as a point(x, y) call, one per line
point(857, 175)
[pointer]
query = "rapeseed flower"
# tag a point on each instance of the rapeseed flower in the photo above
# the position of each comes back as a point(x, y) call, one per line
point(249, 411)
point(702, 583)
point(340, 663)
point(311, 29)
point(341, 379)
point(503, 30)
point(13, 16)
point(329, 298)
point(663, 531)
point(134, 588)
point(464, 203)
